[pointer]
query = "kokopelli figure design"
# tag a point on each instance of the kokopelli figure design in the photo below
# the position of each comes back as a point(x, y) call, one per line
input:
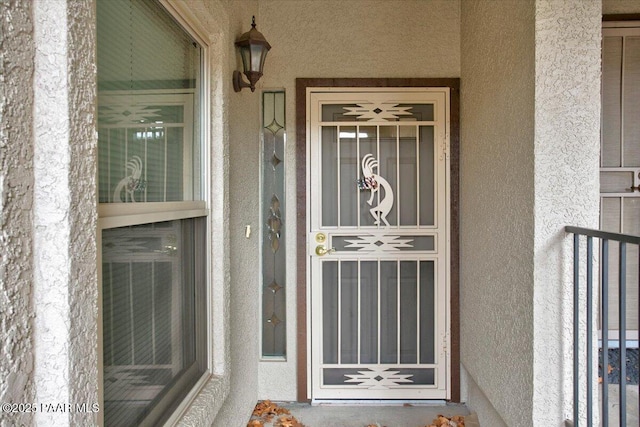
point(380, 212)
point(133, 182)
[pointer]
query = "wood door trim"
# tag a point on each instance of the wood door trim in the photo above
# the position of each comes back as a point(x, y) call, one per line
point(301, 211)
point(621, 17)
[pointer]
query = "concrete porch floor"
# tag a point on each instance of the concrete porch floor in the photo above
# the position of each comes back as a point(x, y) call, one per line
point(383, 416)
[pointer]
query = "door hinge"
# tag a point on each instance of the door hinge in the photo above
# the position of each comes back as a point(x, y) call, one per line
point(445, 343)
point(445, 148)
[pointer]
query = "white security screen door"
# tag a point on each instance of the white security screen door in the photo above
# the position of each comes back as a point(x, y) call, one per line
point(378, 237)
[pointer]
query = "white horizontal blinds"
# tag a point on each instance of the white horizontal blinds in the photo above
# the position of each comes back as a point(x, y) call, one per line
point(153, 270)
point(149, 289)
point(389, 311)
point(631, 100)
point(428, 310)
point(330, 311)
point(148, 70)
point(408, 170)
point(379, 312)
point(150, 161)
point(141, 47)
point(329, 159)
point(388, 167)
point(348, 312)
point(426, 158)
point(369, 312)
point(348, 176)
point(367, 144)
point(611, 91)
point(620, 158)
point(408, 312)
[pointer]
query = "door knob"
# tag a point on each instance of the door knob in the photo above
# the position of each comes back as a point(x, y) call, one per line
point(322, 251)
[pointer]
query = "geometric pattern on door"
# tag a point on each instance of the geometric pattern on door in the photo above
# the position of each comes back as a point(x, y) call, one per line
point(378, 235)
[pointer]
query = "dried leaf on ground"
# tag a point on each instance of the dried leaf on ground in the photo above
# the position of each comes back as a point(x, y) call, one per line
point(267, 408)
point(287, 421)
point(442, 421)
point(281, 411)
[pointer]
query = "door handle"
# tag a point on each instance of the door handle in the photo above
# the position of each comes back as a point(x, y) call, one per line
point(322, 251)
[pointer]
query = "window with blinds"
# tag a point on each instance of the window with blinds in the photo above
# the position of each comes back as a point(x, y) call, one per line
point(152, 212)
point(620, 160)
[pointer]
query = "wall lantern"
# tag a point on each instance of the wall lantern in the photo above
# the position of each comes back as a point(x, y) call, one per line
point(253, 48)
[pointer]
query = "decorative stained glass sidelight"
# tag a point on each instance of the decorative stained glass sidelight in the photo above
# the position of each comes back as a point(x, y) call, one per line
point(273, 237)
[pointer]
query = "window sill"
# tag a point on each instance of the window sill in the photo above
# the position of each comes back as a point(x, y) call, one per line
point(203, 402)
point(112, 215)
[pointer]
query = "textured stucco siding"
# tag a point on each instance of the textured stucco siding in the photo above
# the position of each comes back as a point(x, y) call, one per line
point(16, 203)
point(530, 148)
point(336, 38)
point(64, 213)
point(497, 205)
point(49, 281)
point(244, 198)
point(82, 216)
point(567, 153)
point(530, 115)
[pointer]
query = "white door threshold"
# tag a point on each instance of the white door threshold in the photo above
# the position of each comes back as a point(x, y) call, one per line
point(376, 402)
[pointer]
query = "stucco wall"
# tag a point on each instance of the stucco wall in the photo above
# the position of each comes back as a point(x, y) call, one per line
point(513, 206)
point(496, 200)
point(64, 212)
point(530, 144)
point(567, 155)
point(50, 351)
point(16, 202)
point(49, 281)
point(244, 196)
point(335, 38)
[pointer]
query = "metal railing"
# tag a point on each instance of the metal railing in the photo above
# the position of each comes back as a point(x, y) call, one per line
point(603, 292)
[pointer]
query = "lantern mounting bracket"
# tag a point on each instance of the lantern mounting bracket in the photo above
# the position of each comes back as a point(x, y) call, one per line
point(239, 83)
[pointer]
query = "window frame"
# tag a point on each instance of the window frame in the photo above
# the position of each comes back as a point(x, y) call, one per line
point(617, 26)
point(115, 215)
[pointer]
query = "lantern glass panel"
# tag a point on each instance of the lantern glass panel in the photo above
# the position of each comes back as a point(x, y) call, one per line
point(256, 55)
point(245, 51)
point(262, 57)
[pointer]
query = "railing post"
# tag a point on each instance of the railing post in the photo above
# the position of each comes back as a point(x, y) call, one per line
point(605, 331)
point(576, 329)
point(622, 337)
point(606, 237)
point(589, 331)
